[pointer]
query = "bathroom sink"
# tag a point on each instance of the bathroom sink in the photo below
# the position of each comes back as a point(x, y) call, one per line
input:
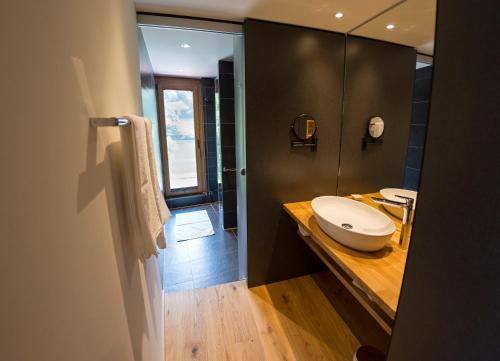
point(354, 224)
point(390, 194)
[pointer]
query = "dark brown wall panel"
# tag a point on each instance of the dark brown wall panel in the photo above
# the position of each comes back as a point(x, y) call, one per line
point(379, 81)
point(289, 71)
point(449, 306)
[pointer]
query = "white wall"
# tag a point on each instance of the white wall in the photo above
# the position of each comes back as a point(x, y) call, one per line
point(70, 287)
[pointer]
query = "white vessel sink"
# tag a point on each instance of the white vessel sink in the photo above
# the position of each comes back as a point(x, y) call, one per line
point(354, 224)
point(390, 194)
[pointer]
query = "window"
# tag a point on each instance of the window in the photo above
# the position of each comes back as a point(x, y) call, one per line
point(182, 135)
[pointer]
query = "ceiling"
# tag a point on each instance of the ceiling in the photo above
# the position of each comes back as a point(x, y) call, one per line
point(200, 60)
point(311, 13)
point(414, 22)
point(413, 19)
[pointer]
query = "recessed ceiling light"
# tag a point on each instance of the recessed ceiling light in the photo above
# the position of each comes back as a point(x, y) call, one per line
point(390, 26)
point(339, 15)
point(185, 46)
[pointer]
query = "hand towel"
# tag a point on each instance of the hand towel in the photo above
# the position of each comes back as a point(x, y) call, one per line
point(147, 213)
point(160, 200)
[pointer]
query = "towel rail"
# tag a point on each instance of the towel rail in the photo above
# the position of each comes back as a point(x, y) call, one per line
point(108, 122)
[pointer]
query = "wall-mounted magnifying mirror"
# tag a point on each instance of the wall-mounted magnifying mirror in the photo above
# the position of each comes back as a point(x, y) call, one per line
point(304, 127)
point(304, 130)
point(376, 127)
point(374, 131)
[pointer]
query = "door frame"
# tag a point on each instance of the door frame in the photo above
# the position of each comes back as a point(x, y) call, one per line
point(217, 26)
point(175, 83)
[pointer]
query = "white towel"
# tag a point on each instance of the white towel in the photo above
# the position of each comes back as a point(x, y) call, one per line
point(147, 209)
point(160, 200)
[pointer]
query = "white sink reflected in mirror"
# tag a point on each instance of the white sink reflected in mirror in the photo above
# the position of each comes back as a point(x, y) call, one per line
point(390, 194)
point(354, 224)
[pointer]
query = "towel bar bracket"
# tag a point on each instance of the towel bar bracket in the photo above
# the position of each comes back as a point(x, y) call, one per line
point(108, 122)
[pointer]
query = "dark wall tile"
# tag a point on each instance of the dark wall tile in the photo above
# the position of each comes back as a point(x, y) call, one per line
point(412, 177)
point(228, 156)
point(207, 83)
point(226, 67)
point(210, 131)
point(422, 89)
point(230, 219)
point(212, 176)
point(211, 145)
point(418, 129)
point(212, 163)
point(229, 196)
point(227, 111)
point(227, 134)
point(213, 179)
point(424, 73)
point(229, 181)
point(420, 112)
point(209, 114)
point(417, 136)
point(229, 200)
point(226, 86)
point(414, 159)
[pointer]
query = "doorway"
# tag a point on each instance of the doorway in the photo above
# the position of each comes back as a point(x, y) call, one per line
point(199, 87)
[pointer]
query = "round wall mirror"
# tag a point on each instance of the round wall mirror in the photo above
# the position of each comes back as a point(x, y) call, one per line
point(304, 127)
point(376, 127)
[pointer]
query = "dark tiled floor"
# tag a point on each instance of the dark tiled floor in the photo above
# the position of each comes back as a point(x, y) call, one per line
point(200, 262)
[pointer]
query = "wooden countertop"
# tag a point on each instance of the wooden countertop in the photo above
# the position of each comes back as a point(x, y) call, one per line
point(380, 274)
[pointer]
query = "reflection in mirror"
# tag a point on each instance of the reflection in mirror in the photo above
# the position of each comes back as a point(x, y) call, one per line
point(387, 88)
point(410, 24)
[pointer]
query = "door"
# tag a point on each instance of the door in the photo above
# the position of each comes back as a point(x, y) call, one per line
point(181, 131)
point(240, 124)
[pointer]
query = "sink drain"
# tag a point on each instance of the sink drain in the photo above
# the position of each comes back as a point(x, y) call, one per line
point(346, 226)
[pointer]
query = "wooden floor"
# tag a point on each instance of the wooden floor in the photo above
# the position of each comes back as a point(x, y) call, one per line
point(290, 320)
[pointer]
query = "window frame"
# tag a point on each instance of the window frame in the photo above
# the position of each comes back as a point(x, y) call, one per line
point(189, 84)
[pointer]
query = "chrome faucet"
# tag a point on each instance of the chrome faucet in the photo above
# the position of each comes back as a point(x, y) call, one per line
point(407, 206)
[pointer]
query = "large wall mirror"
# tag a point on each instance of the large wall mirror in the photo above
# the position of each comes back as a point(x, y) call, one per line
point(388, 77)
